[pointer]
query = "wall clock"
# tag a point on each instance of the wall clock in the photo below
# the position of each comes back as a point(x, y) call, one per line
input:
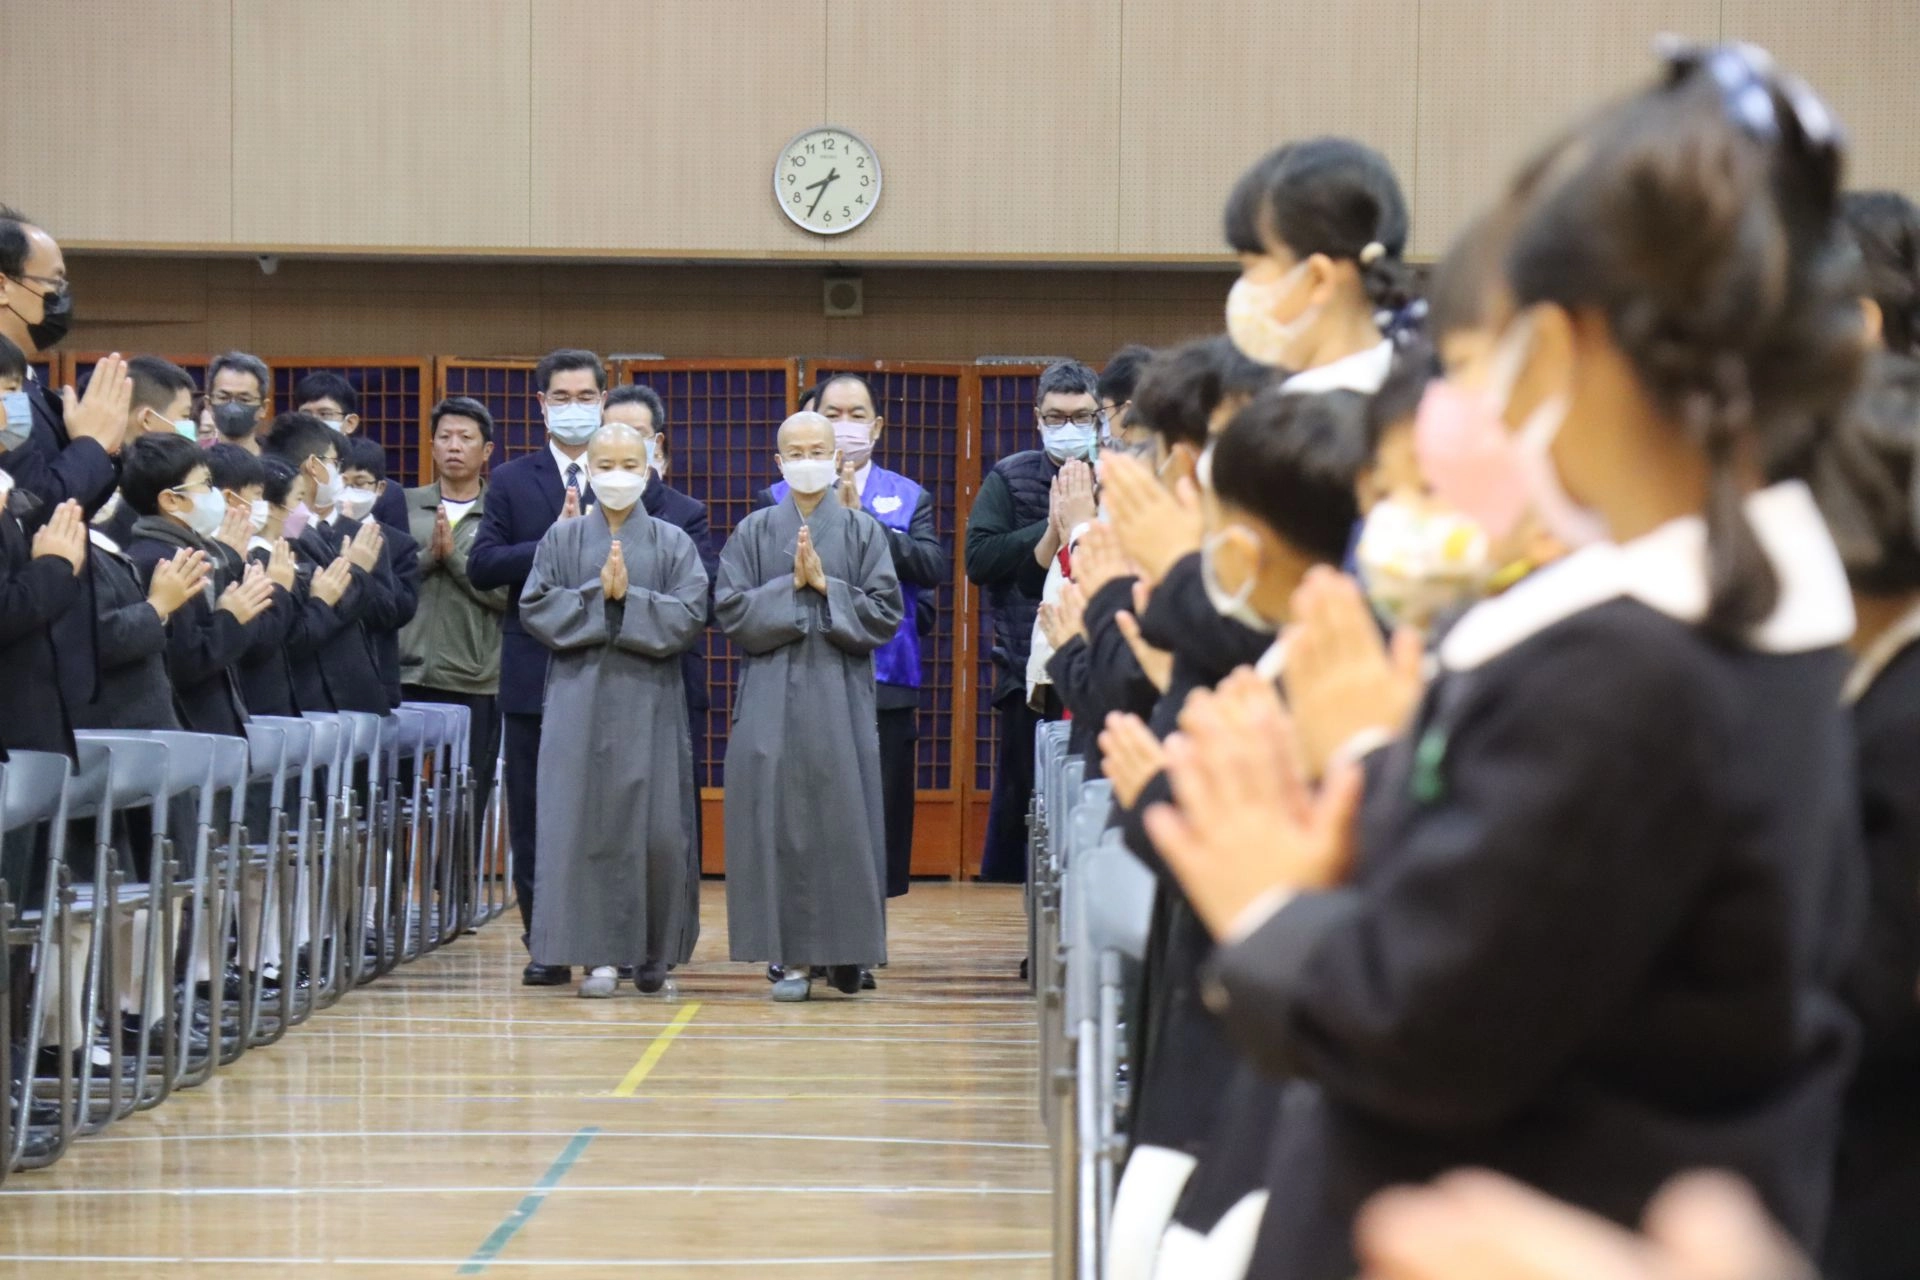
point(827, 180)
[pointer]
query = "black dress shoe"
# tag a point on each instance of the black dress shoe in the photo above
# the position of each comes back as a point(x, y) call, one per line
point(845, 978)
point(650, 979)
point(546, 975)
point(866, 981)
point(775, 973)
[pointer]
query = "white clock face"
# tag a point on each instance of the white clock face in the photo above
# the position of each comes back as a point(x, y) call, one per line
point(827, 180)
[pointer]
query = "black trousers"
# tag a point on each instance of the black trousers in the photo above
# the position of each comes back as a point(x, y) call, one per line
point(523, 789)
point(483, 747)
point(1005, 857)
point(899, 770)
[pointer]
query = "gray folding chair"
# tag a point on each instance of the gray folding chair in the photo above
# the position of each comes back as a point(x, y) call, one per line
point(360, 844)
point(332, 770)
point(33, 798)
point(262, 861)
point(219, 1013)
point(1119, 908)
point(298, 959)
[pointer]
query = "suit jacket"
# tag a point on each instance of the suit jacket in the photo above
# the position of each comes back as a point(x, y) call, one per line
point(204, 642)
point(524, 498)
point(397, 599)
point(55, 468)
point(134, 690)
point(334, 667)
point(34, 593)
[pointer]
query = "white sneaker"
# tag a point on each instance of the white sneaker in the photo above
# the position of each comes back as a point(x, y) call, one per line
point(600, 984)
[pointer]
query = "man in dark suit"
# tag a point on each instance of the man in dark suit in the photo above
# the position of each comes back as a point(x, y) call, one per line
point(72, 449)
point(642, 409)
point(524, 500)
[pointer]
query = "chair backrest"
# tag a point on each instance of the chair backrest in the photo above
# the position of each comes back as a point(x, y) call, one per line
point(142, 768)
point(90, 789)
point(33, 789)
point(266, 754)
point(1120, 897)
point(190, 758)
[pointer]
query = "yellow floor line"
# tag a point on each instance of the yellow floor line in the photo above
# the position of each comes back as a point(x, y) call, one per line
point(655, 1051)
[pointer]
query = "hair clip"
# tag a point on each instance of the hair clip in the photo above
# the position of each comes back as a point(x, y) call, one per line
point(1372, 253)
point(1748, 80)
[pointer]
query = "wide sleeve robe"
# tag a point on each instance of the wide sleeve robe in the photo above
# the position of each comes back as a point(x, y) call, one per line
point(618, 876)
point(806, 843)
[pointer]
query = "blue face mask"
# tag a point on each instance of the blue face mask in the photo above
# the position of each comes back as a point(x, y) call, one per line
point(1068, 441)
point(19, 424)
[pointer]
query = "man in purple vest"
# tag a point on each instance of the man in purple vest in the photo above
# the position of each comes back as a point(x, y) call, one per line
point(920, 561)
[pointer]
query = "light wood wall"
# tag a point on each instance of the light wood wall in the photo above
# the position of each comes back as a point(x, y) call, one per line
point(382, 307)
point(1008, 130)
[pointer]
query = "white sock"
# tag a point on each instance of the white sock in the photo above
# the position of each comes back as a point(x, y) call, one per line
point(606, 971)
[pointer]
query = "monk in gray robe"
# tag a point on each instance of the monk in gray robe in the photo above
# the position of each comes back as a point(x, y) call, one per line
point(618, 596)
point(807, 592)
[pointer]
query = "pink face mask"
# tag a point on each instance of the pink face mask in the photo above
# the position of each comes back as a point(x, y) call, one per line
point(296, 522)
point(1467, 455)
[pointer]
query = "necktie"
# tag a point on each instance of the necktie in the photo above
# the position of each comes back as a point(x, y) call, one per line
point(573, 479)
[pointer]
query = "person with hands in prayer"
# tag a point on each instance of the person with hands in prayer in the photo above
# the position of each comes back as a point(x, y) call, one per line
point(807, 592)
point(40, 582)
point(617, 596)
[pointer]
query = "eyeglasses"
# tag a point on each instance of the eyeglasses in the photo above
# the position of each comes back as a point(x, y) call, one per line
point(227, 397)
point(563, 398)
point(55, 284)
point(1087, 419)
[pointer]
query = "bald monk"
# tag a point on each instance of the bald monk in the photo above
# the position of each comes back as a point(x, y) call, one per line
point(807, 591)
point(617, 596)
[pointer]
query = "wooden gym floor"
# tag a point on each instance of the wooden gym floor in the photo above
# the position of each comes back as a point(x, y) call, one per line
point(447, 1121)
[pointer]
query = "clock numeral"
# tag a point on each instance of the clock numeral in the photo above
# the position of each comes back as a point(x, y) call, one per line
point(796, 198)
point(809, 148)
point(828, 144)
point(827, 217)
point(792, 178)
point(865, 181)
point(859, 199)
point(861, 161)
point(845, 212)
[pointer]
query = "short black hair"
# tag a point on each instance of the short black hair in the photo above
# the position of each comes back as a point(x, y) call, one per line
point(241, 362)
point(1398, 399)
point(1866, 478)
point(1290, 461)
point(277, 477)
point(1886, 227)
point(1067, 378)
point(1331, 196)
point(357, 453)
point(156, 382)
point(297, 437)
point(325, 384)
point(13, 361)
point(563, 361)
point(1122, 374)
point(640, 394)
point(808, 399)
point(154, 463)
point(1182, 386)
point(1466, 278)
point(14, 244)
point(464, 407)
point(233, 467)
point(814, 396)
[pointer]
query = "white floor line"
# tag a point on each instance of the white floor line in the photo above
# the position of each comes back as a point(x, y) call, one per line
point(603, 1136)
point(163, 1259)
point(583, 1189)
point(692, 1033)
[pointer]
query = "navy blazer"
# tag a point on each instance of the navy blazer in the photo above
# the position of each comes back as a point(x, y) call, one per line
point(53, 467)
point(524, 498)
point(35, 592)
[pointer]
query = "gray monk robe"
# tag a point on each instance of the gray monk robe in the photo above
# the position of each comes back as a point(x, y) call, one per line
point(806, 846)
point(618, 879)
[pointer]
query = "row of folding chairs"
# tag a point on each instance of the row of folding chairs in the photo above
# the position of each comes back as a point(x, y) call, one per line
point(179, 899)
point(1089, 905)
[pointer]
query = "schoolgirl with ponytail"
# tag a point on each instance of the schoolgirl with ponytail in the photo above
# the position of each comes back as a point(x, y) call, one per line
point(1589, 924)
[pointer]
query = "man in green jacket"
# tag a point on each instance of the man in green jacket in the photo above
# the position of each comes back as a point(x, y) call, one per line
point(450, 652)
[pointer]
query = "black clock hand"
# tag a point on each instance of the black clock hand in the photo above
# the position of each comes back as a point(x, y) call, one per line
point(832, 175)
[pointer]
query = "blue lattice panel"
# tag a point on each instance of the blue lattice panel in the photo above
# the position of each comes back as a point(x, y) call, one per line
point(722, 423)
point(922, 441)
point(1007, 427)
point(506, 388)
point(391, 412)
point(80, 368)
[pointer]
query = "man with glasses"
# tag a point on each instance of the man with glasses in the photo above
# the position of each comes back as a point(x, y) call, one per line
point(73, 441)
point(330, 397)
point(1117, 381)
point(1027, 506)
point(237, 389)
point(525, 498)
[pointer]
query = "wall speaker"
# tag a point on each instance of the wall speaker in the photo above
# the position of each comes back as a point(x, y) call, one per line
point(843, 296)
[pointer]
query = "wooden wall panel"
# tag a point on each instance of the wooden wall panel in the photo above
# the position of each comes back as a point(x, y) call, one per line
point(1184, 146)
point(1859, 55)
point(1499, 77)
point(383, 123)
point(655, 125)
point(995, 122)
point(323, 308)
point(115, 125)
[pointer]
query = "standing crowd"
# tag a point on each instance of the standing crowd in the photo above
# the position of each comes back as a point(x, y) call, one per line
point(1510, 688)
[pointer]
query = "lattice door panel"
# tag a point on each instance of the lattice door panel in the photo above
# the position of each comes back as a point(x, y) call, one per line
point(722, 420)
point(506, 388)
point(923, 440)
point(393, 406)
point(76, 368)
point(1007, 427)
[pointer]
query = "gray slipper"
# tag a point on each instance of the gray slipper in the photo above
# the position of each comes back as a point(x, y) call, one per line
point(793, 990)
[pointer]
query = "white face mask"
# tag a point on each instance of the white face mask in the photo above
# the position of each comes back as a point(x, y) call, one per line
point(258, 517)
point(1418, 565)
point(327, 492)
point(208, 512)
point(1069, 441)
point(357, 504)
point(618, 490)
point(573, 424)
point(1234, 605)
point(1250, 322)
point(808, 475)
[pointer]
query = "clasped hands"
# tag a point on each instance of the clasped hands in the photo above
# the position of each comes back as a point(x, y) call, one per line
point(807, 569)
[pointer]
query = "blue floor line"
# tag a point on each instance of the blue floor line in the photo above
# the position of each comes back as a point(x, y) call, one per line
point(523, 1212)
